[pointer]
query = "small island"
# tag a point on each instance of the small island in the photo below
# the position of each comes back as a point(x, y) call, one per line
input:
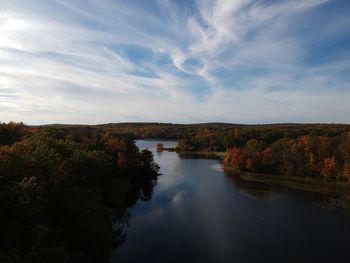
point(160, 147)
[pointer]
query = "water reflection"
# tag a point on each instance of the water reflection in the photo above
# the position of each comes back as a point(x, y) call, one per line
point(270, 192)
point(199, 214)
point(254, 190)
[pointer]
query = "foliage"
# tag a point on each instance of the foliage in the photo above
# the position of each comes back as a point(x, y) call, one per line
point(64, 194)
point(304, 150)
point(12, 132)
point(307, 156)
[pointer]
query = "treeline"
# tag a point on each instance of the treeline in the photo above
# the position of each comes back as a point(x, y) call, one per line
point(147, 130)
point(220, 138)
point(301, 150)
point(12, 132)
point(306, 156)
point(134, 130)
point(207, 136)
point(64, 195)
point(143, 130)
point(304, 150)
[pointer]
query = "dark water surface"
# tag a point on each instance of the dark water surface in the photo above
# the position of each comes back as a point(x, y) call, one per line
point(199, 213)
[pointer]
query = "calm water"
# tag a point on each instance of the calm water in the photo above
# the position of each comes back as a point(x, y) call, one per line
point(199, 213)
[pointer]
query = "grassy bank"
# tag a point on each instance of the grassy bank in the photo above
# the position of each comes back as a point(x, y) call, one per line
point(339, 192)
point(207, 154)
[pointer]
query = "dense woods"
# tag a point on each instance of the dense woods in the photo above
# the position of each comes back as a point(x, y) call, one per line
point(64, 194)
point(302, 150)
point(306, 156)
point(144, 130)
point(299, 150)
point(13, 132)
point(65, 189)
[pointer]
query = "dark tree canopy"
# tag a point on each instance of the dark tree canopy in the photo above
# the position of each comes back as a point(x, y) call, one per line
point(64, 194)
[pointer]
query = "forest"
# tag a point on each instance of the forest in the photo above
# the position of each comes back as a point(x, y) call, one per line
point(65, 190)
point(299, 150)
point(295, 150)
point(64, 194)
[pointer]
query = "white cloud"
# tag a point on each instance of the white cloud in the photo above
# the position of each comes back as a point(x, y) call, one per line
point(96, 62)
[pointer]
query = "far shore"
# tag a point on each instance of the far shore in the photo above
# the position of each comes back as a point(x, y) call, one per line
point(207, 154)
point(212, 154)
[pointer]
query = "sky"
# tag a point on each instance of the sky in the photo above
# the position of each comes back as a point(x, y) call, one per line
point(239, 61)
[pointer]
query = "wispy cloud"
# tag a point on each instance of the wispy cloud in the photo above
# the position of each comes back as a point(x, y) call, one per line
point(180, 61)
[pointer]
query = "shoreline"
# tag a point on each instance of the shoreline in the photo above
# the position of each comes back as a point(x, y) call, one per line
point(213, 154)
point(307, 183)
point(339, 191)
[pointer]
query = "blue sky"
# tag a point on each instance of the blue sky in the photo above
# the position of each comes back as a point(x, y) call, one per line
point(242, 61)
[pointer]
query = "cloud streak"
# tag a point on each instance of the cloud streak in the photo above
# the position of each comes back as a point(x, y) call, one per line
point(233, 61)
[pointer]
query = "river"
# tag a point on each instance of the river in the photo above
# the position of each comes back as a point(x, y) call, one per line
point(199, 213)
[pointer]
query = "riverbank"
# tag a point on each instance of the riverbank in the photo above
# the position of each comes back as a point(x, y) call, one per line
point(205, 154)
point(339, 192)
